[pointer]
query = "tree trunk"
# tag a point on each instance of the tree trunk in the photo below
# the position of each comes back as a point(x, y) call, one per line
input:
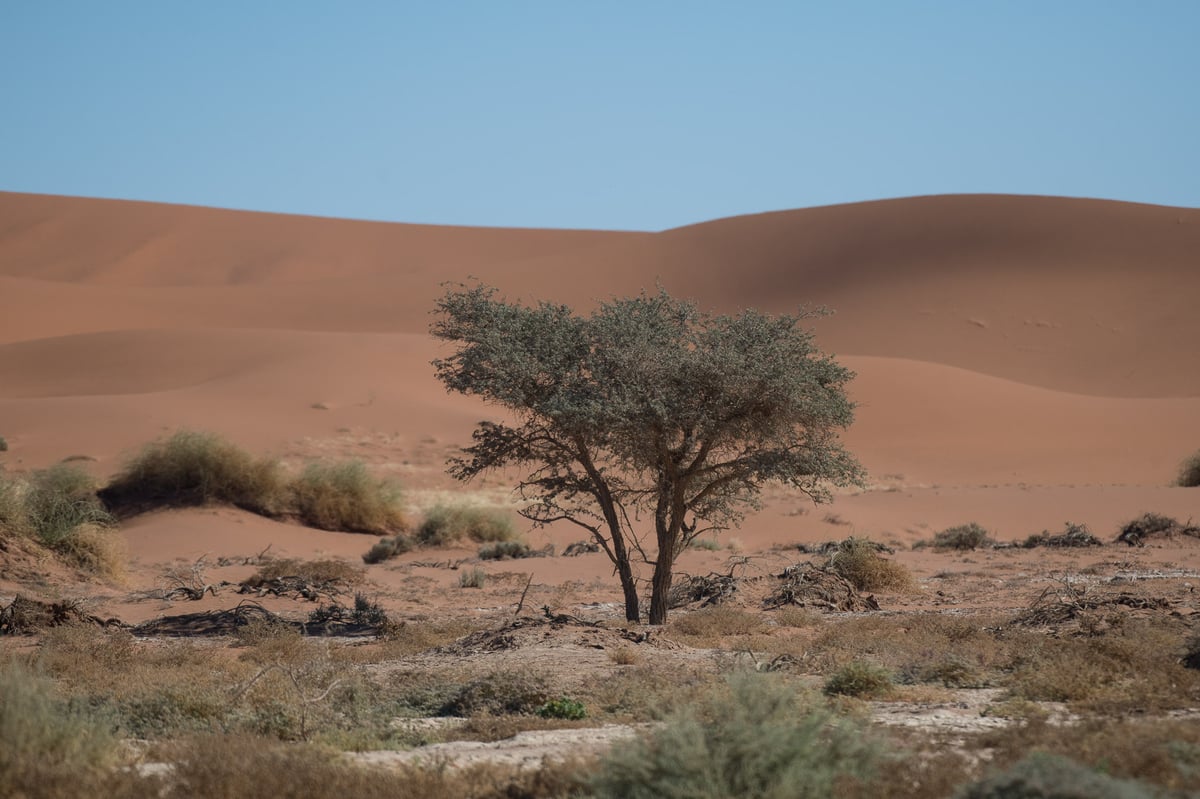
point(629, 586)
point(661, 590)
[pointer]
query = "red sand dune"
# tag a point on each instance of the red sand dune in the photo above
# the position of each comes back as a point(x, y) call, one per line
point(999, 340)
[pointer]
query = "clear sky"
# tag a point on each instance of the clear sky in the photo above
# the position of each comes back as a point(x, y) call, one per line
point(563, 113)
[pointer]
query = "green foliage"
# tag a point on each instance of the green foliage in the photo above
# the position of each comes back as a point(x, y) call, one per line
point(753, 740)
point(647, 408)
point(964, 536)
point(1044, 776)
point(388, 548)
point(344, 496)
point(1189, 471)
point(563, 708)
point(46, 744)
point(448, 524)
point(193, 468)
point(859, 678)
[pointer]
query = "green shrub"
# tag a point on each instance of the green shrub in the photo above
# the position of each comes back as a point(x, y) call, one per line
point(563, 708)
point(344, 496)
point(859, 678)
point(388, 548)
point(46, 744)
point(502, 550)
point(1044, 776)
point(193, 468)
point(751, 740)
point(59, 500)
point(964, 536)
point(447, 524)
point(859, 561)
point(1189, 471)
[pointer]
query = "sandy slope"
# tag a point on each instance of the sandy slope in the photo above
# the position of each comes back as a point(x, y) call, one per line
point(1004, 345)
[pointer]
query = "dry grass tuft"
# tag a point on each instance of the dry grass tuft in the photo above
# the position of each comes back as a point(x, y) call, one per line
point(344, 496)
point(448, 524)
point(859, 561)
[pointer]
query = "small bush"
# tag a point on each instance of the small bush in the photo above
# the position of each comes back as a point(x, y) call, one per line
point(563, 708)
point(95, 549)
point(472, 578)
point(497, 694)
point(388, 548)
point(752, 740)
point(46, 745)
point(858, 560)
point(859, 678)
point(502, 550)
point(717, 622)
point(193, 468)
point(964, 536)
point(1189, 471)
point(446, 524)
point(59, 500)
point(344, 496)
point(1044, 776)
point(3, 444)
point(1136, 532)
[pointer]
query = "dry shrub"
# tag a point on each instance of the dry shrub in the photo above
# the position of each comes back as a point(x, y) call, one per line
point(859, 678)
point(916, 646)
point(1053, 777)
point(1148, 525)
point(448, 524)
point(624, 656)
point(1189, 471)
point(712, 625)
point(499, 693)
point(192, 468)
point(95, 549)
point(49, 747)
point(1133, 665)
point(647, 692)
point(507, 550)
point(387, 548)
point(1073, 535)
point(344, 496)
point(962, 537)
point(1161, 752)
point(859, 561)
point(754, 738)
point(326, 573)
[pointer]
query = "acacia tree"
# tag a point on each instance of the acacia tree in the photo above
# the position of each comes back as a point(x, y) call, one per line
point(647, 415)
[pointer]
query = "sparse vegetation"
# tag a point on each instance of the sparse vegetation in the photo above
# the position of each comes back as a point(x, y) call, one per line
point(472, 578)
point(859, 678)
point(344, 496)
point(192, 468)
point(499, 693)
point(1148, 525)
point(563, 707)
point(963, 537)
point(1073, 535)
point(448, 524)
point(506, 550)
point(3, 444)
point(1045, 776)
point(1189, 471)
point(387, 548)
point(860, 561)
point(755, 738)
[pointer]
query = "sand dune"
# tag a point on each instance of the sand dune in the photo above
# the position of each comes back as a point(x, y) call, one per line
point(998, 339)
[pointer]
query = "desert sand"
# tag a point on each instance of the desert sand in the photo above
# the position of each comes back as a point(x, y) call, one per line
point(1021, 362)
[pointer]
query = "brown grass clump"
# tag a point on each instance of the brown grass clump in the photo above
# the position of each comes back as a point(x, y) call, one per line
point(387, 548)
point(344, 496)
point(192, 468)
point(308, 577)
point(859, 561)
point(715, 625)
point(859, 678)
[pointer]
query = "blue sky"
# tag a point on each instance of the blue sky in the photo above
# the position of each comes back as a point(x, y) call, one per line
point(634, 115)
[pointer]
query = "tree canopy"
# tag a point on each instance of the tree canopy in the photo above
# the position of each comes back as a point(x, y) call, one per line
point(647, 422)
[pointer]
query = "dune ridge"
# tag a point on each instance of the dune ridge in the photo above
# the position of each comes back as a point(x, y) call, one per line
point(995, 336)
